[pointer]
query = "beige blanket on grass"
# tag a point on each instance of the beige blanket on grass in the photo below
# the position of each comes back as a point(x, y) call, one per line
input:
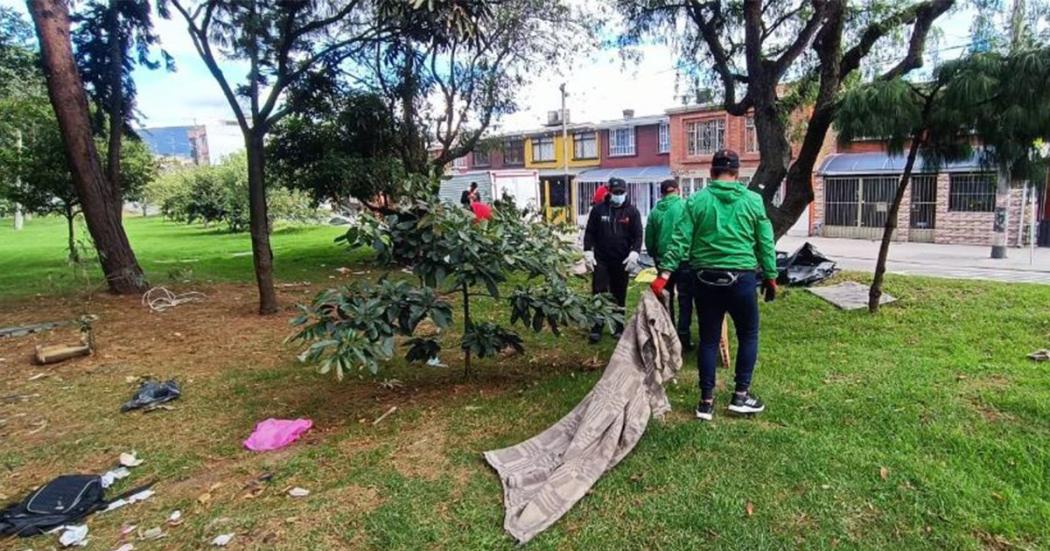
point(544, 476)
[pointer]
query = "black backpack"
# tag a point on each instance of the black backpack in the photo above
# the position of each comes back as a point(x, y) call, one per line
point(64, 500)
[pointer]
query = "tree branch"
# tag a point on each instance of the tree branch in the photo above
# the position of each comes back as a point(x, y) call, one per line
point(928, 11)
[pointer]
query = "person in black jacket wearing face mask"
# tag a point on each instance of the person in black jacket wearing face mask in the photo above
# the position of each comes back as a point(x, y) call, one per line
point(611, 244)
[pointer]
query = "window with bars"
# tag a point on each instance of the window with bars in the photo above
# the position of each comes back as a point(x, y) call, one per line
point(514, 152)
point(543, 149)
point(621, 141)
point(971, 192)
point(481, 158)
point(459, 162)
point(861, 202)
point(689, 186)
point(585, 145)
point(750, 135)
point(705, 137)
point(665, 137)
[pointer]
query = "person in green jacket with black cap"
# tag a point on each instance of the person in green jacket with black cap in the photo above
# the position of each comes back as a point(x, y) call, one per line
point(727, 239)
point(659, 229)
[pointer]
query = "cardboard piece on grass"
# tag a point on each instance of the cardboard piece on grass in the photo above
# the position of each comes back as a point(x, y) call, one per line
point(848, 295)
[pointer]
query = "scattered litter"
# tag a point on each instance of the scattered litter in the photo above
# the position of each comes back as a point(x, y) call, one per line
point(130, 459)
point(153, 534)
point(38, 376)
point(805, 266)
point(175, 518)
point(343, 270)
point(40, 425)
point(384, 416)
point(151, 393)
point(134, 498)
point(391, 384)
point(113, 475)
point(298, 492)
point(127, 529)
point(74, 535)
point(159, 299)
point(222, 540)
point(274, 434)
point(12, 398)
point(848, 295)
point(125, 547)
point(1040, 355)
point(23, 330)
point(155, 407)
point(472, 408)
point(294, 284)
point(435, 362)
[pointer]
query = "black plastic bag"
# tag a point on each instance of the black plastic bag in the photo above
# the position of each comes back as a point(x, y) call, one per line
point(152, 393)
point(805, 266)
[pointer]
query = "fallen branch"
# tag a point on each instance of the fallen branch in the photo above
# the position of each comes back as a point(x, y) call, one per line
point(384, 416)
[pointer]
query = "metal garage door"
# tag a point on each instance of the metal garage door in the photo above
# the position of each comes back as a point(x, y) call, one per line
point(857, 206)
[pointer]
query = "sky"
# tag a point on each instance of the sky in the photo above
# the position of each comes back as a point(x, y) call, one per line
point(600, 86)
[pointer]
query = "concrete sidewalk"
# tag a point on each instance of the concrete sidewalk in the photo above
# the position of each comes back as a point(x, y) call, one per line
point(953, 261)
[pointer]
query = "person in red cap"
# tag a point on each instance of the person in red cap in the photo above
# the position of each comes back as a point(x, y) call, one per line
point(727, 239)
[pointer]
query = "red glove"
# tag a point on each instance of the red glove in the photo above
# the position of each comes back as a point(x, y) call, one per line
point(769, 287)
point(658, 284)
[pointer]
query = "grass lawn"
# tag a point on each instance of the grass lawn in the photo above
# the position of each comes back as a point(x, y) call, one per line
point(922, 427)
point(34, 259)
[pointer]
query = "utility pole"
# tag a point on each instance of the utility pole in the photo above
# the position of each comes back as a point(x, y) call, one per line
point(565, 146)
point(19, 219)
point(1002, 187)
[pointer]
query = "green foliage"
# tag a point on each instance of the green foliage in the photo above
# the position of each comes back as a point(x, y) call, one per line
point(95, 25)
point(219, 194)
point(356, 325)
point(451, 253)
point(336, 146)
point(1000, 99)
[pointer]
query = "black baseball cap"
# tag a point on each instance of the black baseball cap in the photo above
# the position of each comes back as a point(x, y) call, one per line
point(725, 159)
point(616, 184)
point(667, 186)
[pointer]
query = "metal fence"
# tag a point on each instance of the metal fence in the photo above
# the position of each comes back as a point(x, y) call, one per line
point(857, 206)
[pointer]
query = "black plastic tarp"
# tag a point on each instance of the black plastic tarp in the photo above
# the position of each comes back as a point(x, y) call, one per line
point(805, 266)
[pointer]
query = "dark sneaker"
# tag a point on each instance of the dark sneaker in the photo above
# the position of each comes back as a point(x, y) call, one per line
point(705, 411)
point(747, 403)
point(593, 338)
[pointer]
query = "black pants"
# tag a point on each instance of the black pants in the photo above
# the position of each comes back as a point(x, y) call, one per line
point(682, 285)
point(740, 301)
point(612, 278)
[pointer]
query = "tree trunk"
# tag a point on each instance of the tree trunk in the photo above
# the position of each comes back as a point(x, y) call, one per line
point(999, 223)
point(259, 224)
point(66, 91)
point(466, 327)
point(875, 293)
point(116, 106)
point(74, 255)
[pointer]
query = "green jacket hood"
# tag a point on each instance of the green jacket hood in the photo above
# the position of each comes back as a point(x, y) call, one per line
point(727, 191)
point(663, 205)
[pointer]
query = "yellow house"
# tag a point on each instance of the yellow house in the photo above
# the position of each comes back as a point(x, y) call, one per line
point(558, 162)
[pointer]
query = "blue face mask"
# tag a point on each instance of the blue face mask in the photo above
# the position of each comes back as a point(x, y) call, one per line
point(617, 200)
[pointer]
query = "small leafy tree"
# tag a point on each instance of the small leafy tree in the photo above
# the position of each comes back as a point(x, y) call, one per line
point(450, 254)
point(35, 173)
point(998, 100)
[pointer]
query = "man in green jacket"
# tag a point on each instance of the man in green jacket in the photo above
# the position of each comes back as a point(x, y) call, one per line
point(659, 229)
point(727, 239)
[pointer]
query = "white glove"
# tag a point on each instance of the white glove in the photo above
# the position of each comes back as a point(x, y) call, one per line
point(588, 259)
point(631, 261)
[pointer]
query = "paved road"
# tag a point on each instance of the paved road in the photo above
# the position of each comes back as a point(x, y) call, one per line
point(954, 261)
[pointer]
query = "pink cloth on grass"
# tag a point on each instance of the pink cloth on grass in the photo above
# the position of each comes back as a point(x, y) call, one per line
point(274, 434)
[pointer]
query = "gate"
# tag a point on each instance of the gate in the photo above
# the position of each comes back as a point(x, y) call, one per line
point(923, 208)
point(857, 207)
